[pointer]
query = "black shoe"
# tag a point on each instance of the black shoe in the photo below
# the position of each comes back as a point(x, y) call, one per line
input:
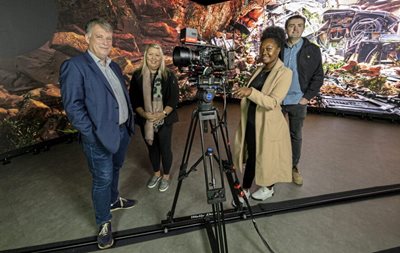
point(122, 203)
point(104, 238)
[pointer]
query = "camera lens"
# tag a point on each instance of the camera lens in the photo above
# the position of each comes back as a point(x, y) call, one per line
point(183, 56)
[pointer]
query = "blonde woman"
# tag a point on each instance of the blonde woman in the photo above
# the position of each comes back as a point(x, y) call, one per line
point(154, 96)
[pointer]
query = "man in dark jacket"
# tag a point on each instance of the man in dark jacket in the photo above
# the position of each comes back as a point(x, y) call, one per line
point(304, 59)
point(97, 104)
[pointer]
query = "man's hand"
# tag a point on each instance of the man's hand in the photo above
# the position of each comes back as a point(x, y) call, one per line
point(303, 101)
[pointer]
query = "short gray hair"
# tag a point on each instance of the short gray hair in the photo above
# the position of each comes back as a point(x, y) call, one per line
point(98, 21)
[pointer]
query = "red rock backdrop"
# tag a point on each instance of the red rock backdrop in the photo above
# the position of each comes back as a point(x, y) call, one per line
point(30, 104)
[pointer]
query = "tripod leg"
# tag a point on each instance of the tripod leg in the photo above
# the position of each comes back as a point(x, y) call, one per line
point(233, 180)
point(215, 192)
point(227, 165)
point(184, 164)
point(222, 229)
point(217, 237)
point(211, 236)
point(212, 117)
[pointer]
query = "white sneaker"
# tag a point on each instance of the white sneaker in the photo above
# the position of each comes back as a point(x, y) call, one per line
point(241, 199)
point(263, 193)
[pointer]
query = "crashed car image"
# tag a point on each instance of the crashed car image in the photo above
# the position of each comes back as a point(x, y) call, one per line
point(340, 23)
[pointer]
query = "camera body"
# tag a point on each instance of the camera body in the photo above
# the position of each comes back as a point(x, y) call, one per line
point(205, 64)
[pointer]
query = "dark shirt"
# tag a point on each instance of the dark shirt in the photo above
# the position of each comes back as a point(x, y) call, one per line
point(257, 83)
point(169, 90)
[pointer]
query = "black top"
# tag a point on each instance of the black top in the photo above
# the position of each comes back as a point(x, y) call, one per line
point(257, 83)
point(169, 90)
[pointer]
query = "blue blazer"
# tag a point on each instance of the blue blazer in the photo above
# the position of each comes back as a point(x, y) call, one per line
point(90, 103)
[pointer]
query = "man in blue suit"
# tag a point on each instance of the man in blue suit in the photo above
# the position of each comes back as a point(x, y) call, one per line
point(97, 104)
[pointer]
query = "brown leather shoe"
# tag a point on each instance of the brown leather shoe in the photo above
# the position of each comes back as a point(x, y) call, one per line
point(296, 176)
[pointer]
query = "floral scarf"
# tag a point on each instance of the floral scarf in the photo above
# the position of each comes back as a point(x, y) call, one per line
point(152, 103)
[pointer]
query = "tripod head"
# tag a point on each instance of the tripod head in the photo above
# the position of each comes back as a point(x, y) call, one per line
point(205, 98)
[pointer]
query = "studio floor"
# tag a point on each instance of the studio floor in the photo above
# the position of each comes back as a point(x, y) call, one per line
point(45, 198)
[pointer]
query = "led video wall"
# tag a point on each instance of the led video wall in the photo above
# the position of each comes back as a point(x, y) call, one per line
point(359, 40)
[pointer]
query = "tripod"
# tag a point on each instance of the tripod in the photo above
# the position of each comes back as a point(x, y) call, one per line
point(207, 114)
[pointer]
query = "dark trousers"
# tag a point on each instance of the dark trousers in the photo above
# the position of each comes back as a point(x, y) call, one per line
point(296, 115)
point(104, 167)
point(250, 170)
point(161, 149)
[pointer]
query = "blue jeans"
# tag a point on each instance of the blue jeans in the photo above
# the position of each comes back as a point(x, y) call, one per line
point(296, 115)
point(104, 167)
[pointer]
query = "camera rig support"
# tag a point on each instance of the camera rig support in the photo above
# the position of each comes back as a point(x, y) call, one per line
point(215, 190)
point(207, 65)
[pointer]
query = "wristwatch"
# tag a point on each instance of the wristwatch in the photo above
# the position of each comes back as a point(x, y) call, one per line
point(165, 113)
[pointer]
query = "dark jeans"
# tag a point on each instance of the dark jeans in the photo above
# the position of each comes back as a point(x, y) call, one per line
point(161, 149)
point(250, 170)
point(296, 115)
point(105, 167)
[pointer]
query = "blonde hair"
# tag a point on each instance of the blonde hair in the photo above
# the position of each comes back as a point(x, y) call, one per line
point(162, 67)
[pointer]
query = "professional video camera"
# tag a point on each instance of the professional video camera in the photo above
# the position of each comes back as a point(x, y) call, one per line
point(205, 64)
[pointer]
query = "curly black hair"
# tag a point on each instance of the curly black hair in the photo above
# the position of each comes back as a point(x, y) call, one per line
point(276, 33)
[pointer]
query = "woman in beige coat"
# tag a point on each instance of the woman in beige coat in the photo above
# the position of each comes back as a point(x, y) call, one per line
point(262, 140)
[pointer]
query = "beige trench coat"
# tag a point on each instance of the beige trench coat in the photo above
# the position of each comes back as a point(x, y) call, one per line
point(273, 147)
